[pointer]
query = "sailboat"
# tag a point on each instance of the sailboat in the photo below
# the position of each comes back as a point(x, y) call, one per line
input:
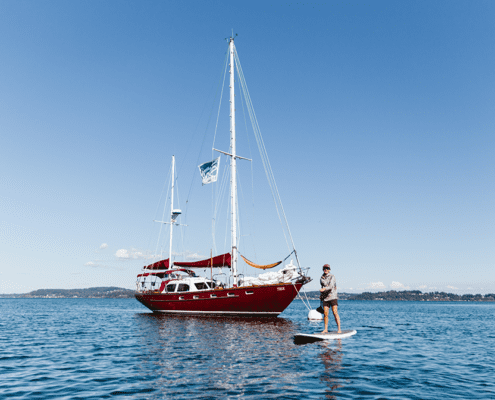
point(173, 287)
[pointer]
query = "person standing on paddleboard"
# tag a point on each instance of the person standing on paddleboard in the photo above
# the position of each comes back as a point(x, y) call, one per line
point(329, 297)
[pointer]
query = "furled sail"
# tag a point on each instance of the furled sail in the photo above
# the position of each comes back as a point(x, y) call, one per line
point(252, 264)
point(218, 261)
point(162, 264)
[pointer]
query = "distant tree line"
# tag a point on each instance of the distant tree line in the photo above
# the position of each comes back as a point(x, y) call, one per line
point(409, 295)
point(96, 292)
point(416, 295)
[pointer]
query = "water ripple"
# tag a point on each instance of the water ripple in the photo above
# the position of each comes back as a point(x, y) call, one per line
point(94, 349)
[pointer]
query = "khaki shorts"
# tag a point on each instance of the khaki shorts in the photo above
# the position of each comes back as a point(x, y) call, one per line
point(330, 303)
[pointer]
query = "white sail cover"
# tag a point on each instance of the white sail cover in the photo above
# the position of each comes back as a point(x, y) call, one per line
point(209, 171)
point(284, 275)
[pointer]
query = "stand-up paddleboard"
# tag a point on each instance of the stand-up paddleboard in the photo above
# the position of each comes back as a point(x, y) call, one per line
point(310, 338)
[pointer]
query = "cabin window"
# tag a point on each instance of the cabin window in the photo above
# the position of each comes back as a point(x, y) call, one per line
point(171, 288)
point(230, 294)
point(201, 286)
point(211, 284)
point(196, 297)
point(213, 296)
point(183, 288)
point(250, 292)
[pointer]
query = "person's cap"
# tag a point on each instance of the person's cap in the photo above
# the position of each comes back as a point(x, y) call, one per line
point(326, 266)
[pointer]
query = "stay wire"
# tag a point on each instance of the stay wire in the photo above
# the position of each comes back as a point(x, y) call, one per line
point(163, 215)
point(165, 184)
point(213, 187)
point(251, 165)
point(264, 154)
point(265, 159)
point(204, 136)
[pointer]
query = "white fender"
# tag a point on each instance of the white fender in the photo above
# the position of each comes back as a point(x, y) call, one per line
point(315, 315)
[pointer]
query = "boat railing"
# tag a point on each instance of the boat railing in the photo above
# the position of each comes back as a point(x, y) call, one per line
point(305, 272)
point(221, 277)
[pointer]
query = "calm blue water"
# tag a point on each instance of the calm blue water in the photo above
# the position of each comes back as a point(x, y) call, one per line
point(93, 349)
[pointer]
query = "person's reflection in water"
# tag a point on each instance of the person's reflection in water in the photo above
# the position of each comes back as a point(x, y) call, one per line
point(332, 360)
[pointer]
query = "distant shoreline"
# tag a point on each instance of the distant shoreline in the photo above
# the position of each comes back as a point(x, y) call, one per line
point(89, 293)
point(121, 293)
point(409, 295)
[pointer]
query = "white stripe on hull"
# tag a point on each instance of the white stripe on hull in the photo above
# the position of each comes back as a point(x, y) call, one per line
point(218, 312)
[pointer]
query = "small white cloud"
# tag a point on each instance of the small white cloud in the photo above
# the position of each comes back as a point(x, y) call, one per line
point(122, 253)
point(451, 287)
point(422, 287)
point(376, 285)
point(396, 285)
point(133, 254)
point(103, 246)
point(94, 264)
point(194, 256)
point(137, 255)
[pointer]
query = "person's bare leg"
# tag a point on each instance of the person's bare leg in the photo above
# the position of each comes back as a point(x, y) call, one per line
point(326, 309)
point(337, 318)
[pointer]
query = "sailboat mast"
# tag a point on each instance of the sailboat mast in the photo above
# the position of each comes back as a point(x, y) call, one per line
point(170, 263)
point(233, 171)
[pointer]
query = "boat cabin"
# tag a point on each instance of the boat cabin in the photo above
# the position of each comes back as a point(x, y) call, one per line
point(172, 281)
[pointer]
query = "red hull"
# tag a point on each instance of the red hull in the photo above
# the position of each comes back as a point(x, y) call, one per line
point(266, 301)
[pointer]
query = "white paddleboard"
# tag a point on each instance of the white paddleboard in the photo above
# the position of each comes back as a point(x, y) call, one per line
point(309, 337)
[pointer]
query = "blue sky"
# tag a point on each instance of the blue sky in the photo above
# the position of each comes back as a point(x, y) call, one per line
point(379, 119)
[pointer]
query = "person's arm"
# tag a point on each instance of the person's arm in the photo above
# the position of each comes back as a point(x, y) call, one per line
point(322, 282)
point(330, 286)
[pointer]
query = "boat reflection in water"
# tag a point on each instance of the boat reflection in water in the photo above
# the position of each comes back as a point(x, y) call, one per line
point(231, 357)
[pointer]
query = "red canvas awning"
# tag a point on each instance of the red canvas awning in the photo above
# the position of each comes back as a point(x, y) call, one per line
point(163, 264)
point(218, 261)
